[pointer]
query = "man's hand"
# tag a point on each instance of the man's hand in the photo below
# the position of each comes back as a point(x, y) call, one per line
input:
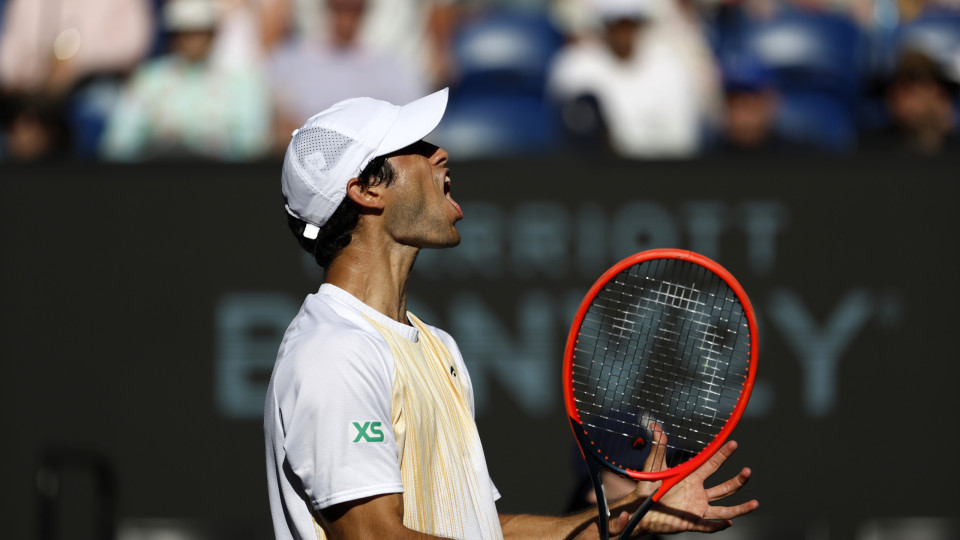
point(686, 507)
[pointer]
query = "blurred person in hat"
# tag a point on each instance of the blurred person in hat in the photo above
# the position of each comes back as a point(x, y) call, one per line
point(751, 103)
point(653, 91)
point(309, 74)
point(419, 33)
point(921, 102)
point(369, 414)
point(182, 105)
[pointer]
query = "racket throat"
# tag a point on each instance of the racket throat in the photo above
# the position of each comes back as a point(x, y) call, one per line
point(603, 509)
point(595, 468)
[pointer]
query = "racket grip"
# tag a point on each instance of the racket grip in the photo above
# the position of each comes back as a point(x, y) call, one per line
point(595, 468)
point(603, 510)
point(637, 516)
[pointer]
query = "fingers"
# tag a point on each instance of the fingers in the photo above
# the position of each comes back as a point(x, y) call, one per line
point(657, 458)
point(717, 459)
point(729, 513)
point(729, 487)
point(717, 518)
point(618, 523)
point(673, 520)
point(705, 518)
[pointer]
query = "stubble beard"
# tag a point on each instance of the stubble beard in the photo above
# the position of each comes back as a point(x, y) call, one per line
point(419, 226)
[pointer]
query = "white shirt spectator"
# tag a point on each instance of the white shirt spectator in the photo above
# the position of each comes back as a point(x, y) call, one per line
point(307, 76)
point(648, 101)
point(400, 26)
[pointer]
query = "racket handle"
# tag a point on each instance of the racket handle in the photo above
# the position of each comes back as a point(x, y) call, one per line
point(603, 510)
point(595, 468)
point(637, 516)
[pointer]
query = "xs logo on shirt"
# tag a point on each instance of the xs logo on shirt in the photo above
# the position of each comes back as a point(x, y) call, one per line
point(367, 432)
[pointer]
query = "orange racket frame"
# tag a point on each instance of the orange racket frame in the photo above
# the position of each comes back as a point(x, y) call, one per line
point(672, 476)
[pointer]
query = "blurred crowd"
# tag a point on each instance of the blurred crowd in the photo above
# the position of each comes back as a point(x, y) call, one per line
point(229, 80)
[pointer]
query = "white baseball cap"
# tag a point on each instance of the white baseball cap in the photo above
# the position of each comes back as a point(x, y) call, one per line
point(190, 15)
point(611, 10)
point(335, 145)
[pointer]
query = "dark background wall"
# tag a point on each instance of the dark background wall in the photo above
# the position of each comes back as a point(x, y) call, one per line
point(142, 307)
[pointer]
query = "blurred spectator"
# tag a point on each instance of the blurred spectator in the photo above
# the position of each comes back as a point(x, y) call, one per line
point(819, 62)
point(50, 45)
point(249, 31)
point(680, 25)
point(750, 108)
point(497, 106)
point(33, 128)
point(921, 100)
point(310, 74)
point(417, 31)
point(651, 95)
point(182, 105)
point(64, 62)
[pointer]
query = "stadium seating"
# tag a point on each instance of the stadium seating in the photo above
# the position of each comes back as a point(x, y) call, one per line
point(936, 33)
point(497, 107)
point(818, 61)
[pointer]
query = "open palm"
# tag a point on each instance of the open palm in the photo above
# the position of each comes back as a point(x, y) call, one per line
point(687, 505)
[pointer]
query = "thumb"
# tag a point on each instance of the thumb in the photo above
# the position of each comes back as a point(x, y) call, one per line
point(619, 523)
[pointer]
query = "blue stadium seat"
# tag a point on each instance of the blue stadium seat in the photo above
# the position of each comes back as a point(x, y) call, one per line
point(818, 62)
point(87, 112)
point(497, 107)
point(505, 51)
point(478, 127)
point(936, 33)
point(160, 38)
point(817, 119)
point(810, 50)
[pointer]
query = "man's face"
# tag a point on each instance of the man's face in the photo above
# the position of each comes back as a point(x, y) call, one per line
point(622, 37)
point(345, 19)
point(920, 105)
point(750, 116)
point(194, 46)
point(419, 210)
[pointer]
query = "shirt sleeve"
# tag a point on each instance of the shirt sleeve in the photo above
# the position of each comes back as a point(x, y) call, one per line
point(335, 409)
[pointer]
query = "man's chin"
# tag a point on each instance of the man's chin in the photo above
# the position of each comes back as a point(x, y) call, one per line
point(445, 243)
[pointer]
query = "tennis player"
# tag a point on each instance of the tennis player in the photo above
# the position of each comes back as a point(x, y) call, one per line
point(369, 417)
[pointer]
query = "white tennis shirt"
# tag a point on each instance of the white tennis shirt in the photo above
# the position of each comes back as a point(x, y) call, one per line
point(361, 405)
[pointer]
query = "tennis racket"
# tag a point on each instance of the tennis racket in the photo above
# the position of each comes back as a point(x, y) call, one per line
point(663, 344)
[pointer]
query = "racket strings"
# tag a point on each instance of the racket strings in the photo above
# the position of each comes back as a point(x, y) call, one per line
point(665, 341)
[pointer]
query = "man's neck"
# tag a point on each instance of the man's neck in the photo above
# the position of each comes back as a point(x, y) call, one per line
point(376, 275)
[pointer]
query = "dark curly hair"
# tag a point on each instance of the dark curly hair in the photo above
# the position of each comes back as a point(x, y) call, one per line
point(335, 234)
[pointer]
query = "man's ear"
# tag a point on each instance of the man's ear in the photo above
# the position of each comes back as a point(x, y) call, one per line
point(366, 197)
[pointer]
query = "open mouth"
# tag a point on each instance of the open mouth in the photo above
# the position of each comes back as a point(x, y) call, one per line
point(446, 193)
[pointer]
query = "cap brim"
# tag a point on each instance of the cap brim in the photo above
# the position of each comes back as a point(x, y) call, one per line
point(415, 121)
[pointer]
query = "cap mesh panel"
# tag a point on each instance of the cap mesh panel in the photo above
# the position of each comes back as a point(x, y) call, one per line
point(319, 150)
